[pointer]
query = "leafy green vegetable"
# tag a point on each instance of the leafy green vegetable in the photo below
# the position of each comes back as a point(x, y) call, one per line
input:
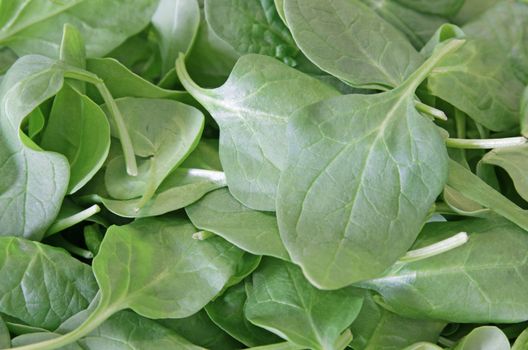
point(281, 300)
point(484, 338)
point(5, 338)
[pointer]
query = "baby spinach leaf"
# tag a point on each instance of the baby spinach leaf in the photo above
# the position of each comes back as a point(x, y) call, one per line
point(127, 330)
point(337, 36)
point(252, 109)
point(513, 160)
point(463, 205)
point(480, 281)
point(484, 338)
point(180, 188)
point(36, 26)
point(176, 24)
point(34, 182)
point(200, 330)
point(163, 141)
point(72, 48)
point(251, 230)
point(205, 156)
point(441, 7)
point(254, 26)
point(5, 338)
point(352, 156)
point(282, 301)
point(77, 128)
point(60, 285)
point(227, 311)
point(521, 343)
point(377, 328)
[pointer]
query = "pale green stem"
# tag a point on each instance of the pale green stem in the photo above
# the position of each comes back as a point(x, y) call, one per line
point(431, 111)
point(72, 248)
point(202, 235)
point(436, 248)
point(486, 143)
point(64, 223)
point(279, 346)
point(124, 137)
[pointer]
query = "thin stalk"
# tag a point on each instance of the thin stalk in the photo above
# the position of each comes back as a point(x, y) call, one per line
point(72, 248)
point(486, 143)
point(431, 111)
point(115, 113)
point(64, 223)
point(436, 248)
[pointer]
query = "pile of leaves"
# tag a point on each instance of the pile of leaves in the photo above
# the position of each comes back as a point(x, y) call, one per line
point(274, 175)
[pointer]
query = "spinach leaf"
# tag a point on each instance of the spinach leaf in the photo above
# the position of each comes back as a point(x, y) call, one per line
point(252, 109)
point(484, 338)
point(336, 36)
point(34, 182)
point(200, 330)
point(205, 156)
point(524, 113)
point(477, 282)
point(227, 311)
point(5, 338)
point(7, 58)
point(163, 141)
point(35, 27)
point(442, 7)
point(338, 174)
point(377, 328)
point(60, 285)
point(251, 230)
point(78, 129)
point(176, 24)
point(521, 342)
point(282, 301)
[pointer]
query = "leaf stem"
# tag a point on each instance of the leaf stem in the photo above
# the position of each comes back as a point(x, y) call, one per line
point(436, 248)
point(433, 112)
point(70, 221)
point(72, 248)
point(115, 113)
point(486, 143)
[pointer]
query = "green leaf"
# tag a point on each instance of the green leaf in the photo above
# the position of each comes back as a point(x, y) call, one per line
point(77, 128)
point(524, 113)
point(200, 330)
point(377, 328)
point(163, 141)
point(521, 343)
point(36, 26)
point(484, 338)
point(438, 7)
point(252, 109)
point(281, 300)
point(338, 36)
point(360, 181)
point(180, 188)
point(72, 48)
point(513, 160)
point(423, 346)
point(176, 24)
point(7, 58)
point(481, 281)
point(227, 311)
point(205, 156)
point(251, 230)
point(127, 330)
point(5, 338)
point(60, 285)
point(34, 182)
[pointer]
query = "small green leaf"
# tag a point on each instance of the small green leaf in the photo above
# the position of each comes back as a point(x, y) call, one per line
point(484, 338)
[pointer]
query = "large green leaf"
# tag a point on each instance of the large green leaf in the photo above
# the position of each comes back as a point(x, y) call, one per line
point(42, 286)
point(482, 281)
point(377, 328)
point(33, 182)
point(163, 140)
point(281, 300)
point(350, 41)
point(251, 230)
point(77, 128)
point(227, 311)
point(362, 174)
point(176, 23)
point(35, 26)
point(252, 109)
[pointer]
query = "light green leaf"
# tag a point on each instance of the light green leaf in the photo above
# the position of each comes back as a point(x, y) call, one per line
point(227, 311)
point(72, 48)
point(251, 230)
point(205, 156)
point(77, 128)
point(481, 281)
point(484, 338)
point(36, 26)
point(521, 343)
point(34, 182)
point(438, 7)
point(338, 36)
point(362, 174)
point(252, 109)
point(423, 346)
point(377, 328)
point(60, 285)
point(282, 301)
point(176, 23)
point(163, 140)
